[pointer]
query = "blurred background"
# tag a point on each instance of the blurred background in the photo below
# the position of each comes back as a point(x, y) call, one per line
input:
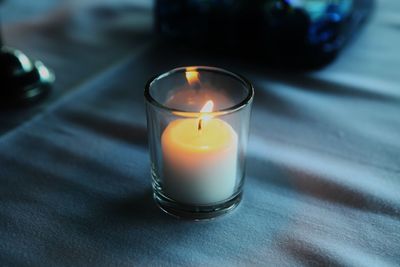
point(282, 39)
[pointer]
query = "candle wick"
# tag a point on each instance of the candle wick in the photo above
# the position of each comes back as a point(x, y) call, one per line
point(199, 125)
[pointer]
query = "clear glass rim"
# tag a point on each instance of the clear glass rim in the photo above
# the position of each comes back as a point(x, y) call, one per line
point(249, 97)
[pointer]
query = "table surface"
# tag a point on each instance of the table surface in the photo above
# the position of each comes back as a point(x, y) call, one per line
point(323, 173)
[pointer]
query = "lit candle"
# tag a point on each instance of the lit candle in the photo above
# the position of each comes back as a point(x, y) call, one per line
point(200, 158)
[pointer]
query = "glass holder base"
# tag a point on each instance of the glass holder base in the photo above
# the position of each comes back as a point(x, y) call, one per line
point(196, 212)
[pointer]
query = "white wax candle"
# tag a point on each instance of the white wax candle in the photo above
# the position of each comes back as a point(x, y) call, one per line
point(200, 160)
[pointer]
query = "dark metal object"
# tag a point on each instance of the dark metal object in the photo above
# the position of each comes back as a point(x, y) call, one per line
point(299, 33)
point(22, 80)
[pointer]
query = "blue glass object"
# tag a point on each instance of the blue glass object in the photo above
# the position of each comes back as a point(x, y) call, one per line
point(300, 33)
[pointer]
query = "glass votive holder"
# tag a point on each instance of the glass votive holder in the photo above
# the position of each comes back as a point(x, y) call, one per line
point(198, 125)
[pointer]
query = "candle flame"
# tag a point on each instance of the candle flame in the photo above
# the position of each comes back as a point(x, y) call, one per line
point(192, 76)
point(207, 108)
